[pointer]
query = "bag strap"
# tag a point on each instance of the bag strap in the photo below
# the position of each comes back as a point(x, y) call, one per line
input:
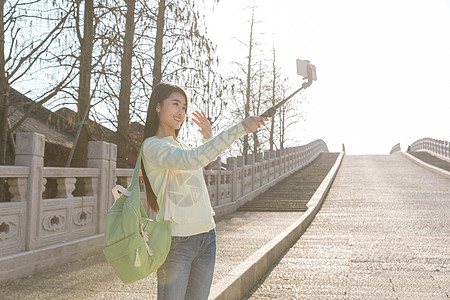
point(135, 180)
point(120, 189)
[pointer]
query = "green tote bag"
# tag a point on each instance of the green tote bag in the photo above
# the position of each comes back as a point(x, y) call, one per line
point(135, 245)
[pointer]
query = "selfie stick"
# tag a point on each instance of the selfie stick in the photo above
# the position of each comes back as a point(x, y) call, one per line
point(311, 75)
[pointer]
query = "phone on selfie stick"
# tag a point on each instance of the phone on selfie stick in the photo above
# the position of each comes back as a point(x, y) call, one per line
point(305, 69)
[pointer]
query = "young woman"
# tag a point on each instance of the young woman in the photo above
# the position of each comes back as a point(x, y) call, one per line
point(188, 270)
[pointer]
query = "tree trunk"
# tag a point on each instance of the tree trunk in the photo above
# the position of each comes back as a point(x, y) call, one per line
point(247, 103)
point(84, 90)
point(282, 122)
point(125, 87)
point(4, 93)
point(258, 105)
point(160, 22)
point(272, 121)
point(3, 103)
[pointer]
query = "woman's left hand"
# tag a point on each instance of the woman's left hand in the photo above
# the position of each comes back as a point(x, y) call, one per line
point(203, 123)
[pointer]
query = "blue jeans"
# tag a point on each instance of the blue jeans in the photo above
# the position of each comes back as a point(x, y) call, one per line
point(188, 270)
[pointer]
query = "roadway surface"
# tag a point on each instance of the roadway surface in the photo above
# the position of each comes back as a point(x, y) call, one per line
point(383, 232)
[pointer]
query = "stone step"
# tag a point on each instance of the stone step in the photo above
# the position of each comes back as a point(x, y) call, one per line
point(294, 192)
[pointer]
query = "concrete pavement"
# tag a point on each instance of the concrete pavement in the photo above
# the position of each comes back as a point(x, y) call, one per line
point(239, 234)
point(383, 233)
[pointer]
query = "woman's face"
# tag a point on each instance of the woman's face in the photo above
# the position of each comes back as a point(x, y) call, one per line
point(172, 112)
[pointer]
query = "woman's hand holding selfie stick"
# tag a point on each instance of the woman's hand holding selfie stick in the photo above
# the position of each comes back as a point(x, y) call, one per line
point(252, 123)
point(271, 111)
point(305, 69)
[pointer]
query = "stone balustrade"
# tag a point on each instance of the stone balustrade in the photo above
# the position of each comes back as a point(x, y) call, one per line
point(438, 147)
point(40, 230)
point(396, 148)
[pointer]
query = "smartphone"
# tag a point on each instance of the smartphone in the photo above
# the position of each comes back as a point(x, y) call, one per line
point(302, 69)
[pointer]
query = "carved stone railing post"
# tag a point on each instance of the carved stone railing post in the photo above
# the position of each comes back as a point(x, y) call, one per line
point(288, 159)
point(232, 165)
point(241, 166)
point(272, 164)
point(258, 160)
point(30, 147)
point(66, 185)
point(278, 162)
point(447, 149)
point(251, 162)
point(218, 179)
point(102, 155)
point(266, 165)
point(18, 189)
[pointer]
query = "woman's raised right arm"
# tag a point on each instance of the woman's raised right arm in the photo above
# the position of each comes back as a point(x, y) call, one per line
point(164, 154)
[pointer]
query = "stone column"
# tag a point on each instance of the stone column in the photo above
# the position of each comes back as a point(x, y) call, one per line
point(219, 180)
point(232, 165)
point(267, 158)
point(447, 149)
point(271, 168)
point(278, 157)
point(251, 161)
point(258, 159)
point(290, 151)
point(241, 164)
point(102, 155)
point(30, 149)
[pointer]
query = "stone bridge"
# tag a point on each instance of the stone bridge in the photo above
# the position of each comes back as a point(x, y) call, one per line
point(300, 223)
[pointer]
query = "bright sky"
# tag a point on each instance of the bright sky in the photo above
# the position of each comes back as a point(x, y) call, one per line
point(383, 67)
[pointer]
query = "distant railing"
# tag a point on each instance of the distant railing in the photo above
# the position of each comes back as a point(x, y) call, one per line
point(40, 229)
point(396, 148)
point(438, 147)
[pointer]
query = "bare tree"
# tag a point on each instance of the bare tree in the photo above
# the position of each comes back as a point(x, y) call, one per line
point(168, 45)
point(289, 114)
point(26, 52)
point(260, 101)
point(160, 23)
point(4, 92)
point(84, 88)
point(275, 76)
point(186, 56)
point(249, 86)
point(248, 89)
point(125, 87)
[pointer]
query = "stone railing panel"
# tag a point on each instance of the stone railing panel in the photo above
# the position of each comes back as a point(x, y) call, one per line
point(439, 147)
point(12, 227)
point(13, 213)
point(396, 148)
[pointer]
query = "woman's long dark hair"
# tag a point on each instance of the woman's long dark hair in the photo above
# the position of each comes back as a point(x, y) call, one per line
point(160, 92)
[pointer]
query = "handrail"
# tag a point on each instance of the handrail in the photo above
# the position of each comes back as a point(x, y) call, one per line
point(438, 147)
point(396, 148)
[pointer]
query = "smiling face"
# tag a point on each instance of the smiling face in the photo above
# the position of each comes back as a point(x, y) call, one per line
point(171, 113)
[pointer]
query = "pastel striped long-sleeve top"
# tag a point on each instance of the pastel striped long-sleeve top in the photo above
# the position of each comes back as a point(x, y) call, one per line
point(190, 206)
